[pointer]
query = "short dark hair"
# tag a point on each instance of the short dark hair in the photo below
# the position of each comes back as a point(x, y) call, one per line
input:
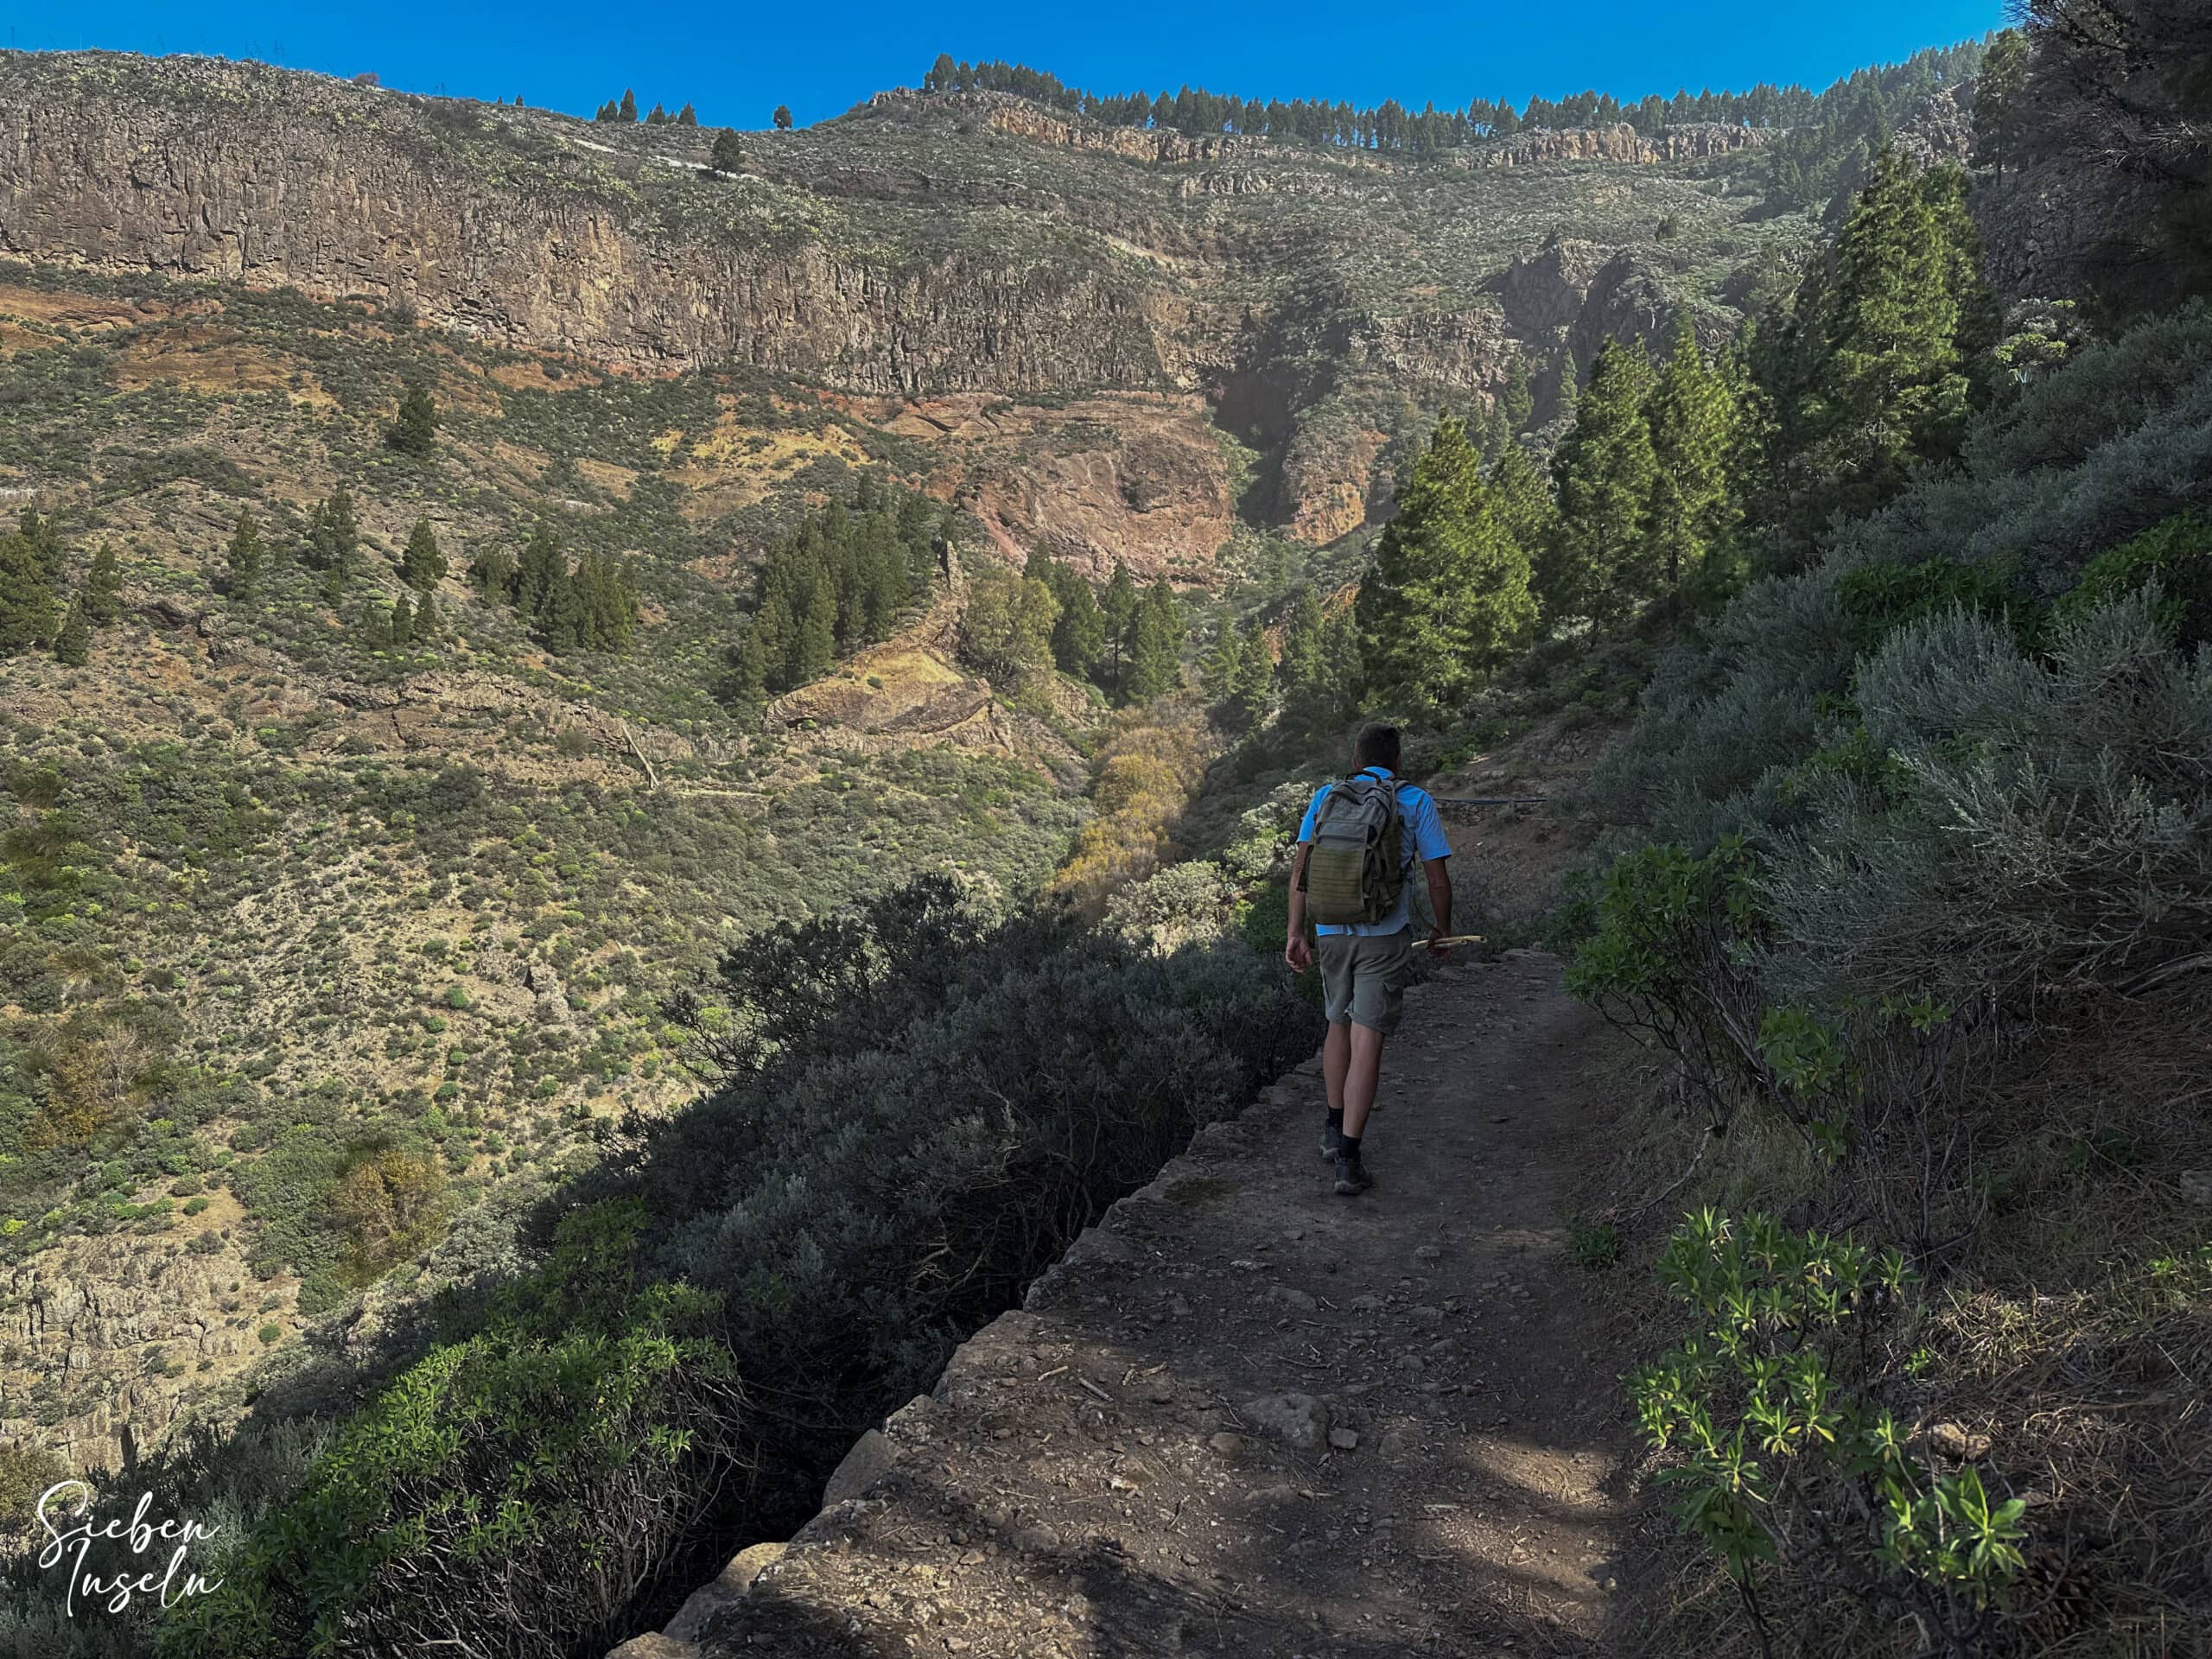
point(1376, 745)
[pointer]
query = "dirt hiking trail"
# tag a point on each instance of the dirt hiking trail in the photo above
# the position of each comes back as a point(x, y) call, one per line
point(1246, 1416)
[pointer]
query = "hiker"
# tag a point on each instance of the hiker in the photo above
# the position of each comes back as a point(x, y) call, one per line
point(1356, 848)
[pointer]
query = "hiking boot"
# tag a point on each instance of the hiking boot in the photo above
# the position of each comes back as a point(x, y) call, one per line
point(1328, 1143)
point(1352, 1174)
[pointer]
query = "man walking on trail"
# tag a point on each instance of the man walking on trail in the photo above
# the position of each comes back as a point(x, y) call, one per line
point(1356, 848)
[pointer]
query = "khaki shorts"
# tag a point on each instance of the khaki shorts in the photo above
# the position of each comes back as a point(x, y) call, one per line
point(1363, 977)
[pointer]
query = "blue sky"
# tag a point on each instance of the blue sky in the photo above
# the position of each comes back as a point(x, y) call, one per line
point(736, 62)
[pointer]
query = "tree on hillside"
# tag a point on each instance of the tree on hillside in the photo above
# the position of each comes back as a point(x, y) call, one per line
point(1256, 682)
point(728, 155)
point(1005, 630)
point(103, 592)
point(1599, 562)
point(1222, 674)
point(687, 116)
point(1891, 386)
point(28, 610)
point(1079, 633)
point(415, 432)
point(422, 566)
point(1449, 593)
point(1118, 611)
point(73, 645)
point(334, 535)
point(492, 569)
point(43, 536)
point(657, 116)
point(609, 111)
point(2001, 109)
point(783, 118)
point(245, 558)
point(1693, 497)
point(1155, 653)
point(627, 110)
point(542, 569)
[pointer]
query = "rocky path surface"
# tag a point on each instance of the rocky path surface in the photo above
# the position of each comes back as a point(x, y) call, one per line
point(1248, 1417)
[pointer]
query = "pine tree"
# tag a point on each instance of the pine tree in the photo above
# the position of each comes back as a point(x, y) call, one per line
point(429, 625)
point(28, 611)
point(1155, 653)
point(748, 681)
point(2001, 107)
point(1517, 400)
point(728, 155)
point(783, 118)
point(1222, 674)
point(492, 569)
point(43, 536)
point(1522, 497)
point(657, 116)
point(1080, 634)
point(1255, 674)
point(1694, 503)
point(1118, 611)
point(627, 110)
point(606, 606)
point(543, 569)
point(246, 557)
point(1304, 662)
point(1449, 596)
point(1891, 386)
point(1600, 561)
point(72, 645)
point(687, 116)
point(415, 432)
point(401, 629)
point(103, 594)
point(813, 653)
point(422, 566)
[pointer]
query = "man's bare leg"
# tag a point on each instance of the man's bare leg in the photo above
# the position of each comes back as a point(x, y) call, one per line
point(1336, 1059)
point(1363, 1072)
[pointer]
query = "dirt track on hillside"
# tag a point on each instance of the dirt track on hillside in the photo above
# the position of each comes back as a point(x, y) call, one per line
point(1102, 1473)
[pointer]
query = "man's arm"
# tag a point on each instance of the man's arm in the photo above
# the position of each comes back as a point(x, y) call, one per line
point(1297, 950)
point(1439, 872)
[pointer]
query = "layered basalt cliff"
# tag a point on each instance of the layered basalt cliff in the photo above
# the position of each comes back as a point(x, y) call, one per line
point(920, 247)
point(312, 186)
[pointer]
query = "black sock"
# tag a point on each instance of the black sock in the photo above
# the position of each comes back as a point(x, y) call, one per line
point(1347, 1145)
point(1337, 1125)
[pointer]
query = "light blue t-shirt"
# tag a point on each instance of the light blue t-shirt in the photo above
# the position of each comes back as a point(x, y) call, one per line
point(1423, 833)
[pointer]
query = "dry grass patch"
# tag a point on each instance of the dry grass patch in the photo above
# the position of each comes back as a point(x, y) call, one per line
point(532, 376)
point(204, 357)
point(66, 309)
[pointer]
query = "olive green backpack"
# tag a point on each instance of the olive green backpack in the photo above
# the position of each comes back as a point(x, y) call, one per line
point(1355, 866)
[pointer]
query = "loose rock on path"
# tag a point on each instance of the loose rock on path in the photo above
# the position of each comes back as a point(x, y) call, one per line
point(1248, 1417)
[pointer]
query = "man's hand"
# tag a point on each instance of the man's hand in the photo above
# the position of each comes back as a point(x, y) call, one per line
point(1298, 951)
point(1442, 952)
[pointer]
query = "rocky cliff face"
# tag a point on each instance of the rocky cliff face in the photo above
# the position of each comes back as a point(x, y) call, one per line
point(1620, 142)
point(312, 191)
point(920, 248)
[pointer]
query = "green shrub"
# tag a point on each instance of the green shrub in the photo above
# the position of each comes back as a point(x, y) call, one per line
point(1659, 948)
point(2178, 555)
point(1785, 1464)
point(589, 1422)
